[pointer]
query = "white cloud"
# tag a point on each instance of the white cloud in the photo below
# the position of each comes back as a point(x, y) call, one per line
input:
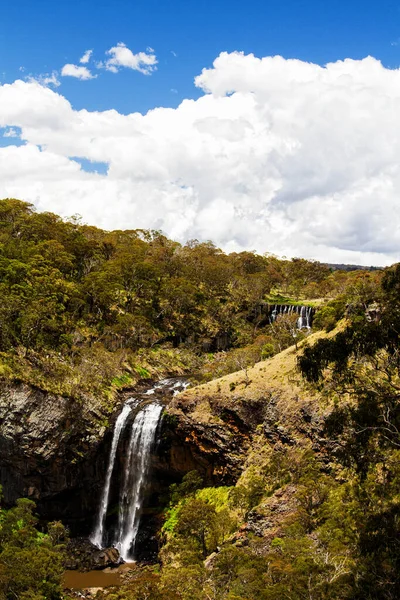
point(86, 57)
point(277, 155)
point(46, 79)
point(76, 71)
point(121, 56)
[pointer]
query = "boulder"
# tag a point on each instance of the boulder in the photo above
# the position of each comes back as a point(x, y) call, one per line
point(82, 555)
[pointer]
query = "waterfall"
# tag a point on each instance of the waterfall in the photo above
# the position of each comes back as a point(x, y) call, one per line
point(308, 317)
point(304, 320)
point(97, 536)
point(305, 314)
point(136, 465)
point(300, 320)
point(136, 469)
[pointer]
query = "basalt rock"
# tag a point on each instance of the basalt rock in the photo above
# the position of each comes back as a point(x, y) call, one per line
point(50, 452)
point(214, 445)
point(82, 555)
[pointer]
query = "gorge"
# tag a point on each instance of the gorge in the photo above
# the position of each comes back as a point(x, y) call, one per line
point(47, 454)
point(274, 475)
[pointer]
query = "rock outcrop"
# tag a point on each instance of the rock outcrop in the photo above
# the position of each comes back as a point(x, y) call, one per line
point(55, 451)
point(84, 556)
point(51, 451)
point(217, 421)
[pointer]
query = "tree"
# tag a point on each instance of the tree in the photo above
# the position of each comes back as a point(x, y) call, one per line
point(285, 330)
point(31, 562)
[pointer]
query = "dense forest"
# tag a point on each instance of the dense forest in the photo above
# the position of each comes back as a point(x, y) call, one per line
point(85, 311)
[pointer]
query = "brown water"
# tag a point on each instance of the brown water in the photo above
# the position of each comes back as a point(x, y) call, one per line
point(76, 580)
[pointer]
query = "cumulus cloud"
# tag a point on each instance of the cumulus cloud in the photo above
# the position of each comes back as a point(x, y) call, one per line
point(122, 56)
point(86, 57)
point(79, 72)
point(276, 155)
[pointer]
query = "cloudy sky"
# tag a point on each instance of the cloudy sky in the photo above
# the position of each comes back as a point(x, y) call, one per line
point(268, 126)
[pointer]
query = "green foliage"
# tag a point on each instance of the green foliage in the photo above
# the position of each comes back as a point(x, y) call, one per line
point(172, 519)
point(216, 496)
point(361, 366)
point(31, 562)
point(121, 381)
point(191, 482)
point(249, 492)
point(198, 520)
point(142, 372)
point(328, 315)
point(267, 351)
point(71, 295)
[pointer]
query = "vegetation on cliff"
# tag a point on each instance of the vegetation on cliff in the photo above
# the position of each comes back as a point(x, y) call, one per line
point(31, 561)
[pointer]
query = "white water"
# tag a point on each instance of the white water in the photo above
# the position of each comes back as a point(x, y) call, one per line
point(97, 536)
point(137, 464)
point(304, 312)
point(304, 318)
point(136, 467)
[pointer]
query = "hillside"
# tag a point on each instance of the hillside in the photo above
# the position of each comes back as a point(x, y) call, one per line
point(87, 312)
point(220, 420)
point(274, 476)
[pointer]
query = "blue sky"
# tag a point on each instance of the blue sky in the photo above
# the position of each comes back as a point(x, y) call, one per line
point(295, 155)
point(43, 35)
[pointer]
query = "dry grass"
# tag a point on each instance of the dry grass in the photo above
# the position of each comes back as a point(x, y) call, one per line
point(278, 375)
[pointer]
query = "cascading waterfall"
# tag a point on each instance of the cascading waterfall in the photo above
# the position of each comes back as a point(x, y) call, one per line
point(304, 318)
point(136, 466)
point(97, 536)
point(137, 463)
point(305, 314)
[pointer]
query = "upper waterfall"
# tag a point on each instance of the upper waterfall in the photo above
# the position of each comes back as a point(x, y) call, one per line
point(305, 313)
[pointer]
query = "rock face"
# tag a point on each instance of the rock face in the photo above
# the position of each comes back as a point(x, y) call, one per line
point(214, 444)
point(49, 453)
point(52, 452)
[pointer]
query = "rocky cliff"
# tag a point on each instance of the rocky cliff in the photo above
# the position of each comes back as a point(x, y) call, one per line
point(55, 450)
point(52, 451)
point(217, 421)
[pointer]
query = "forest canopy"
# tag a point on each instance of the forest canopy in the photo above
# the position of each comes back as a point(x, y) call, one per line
point(73, 296)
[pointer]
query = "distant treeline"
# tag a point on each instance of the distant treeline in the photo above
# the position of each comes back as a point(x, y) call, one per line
point(73, 296)
point(344, 267)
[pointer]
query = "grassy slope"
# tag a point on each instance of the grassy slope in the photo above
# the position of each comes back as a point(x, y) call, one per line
point(278, 373)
